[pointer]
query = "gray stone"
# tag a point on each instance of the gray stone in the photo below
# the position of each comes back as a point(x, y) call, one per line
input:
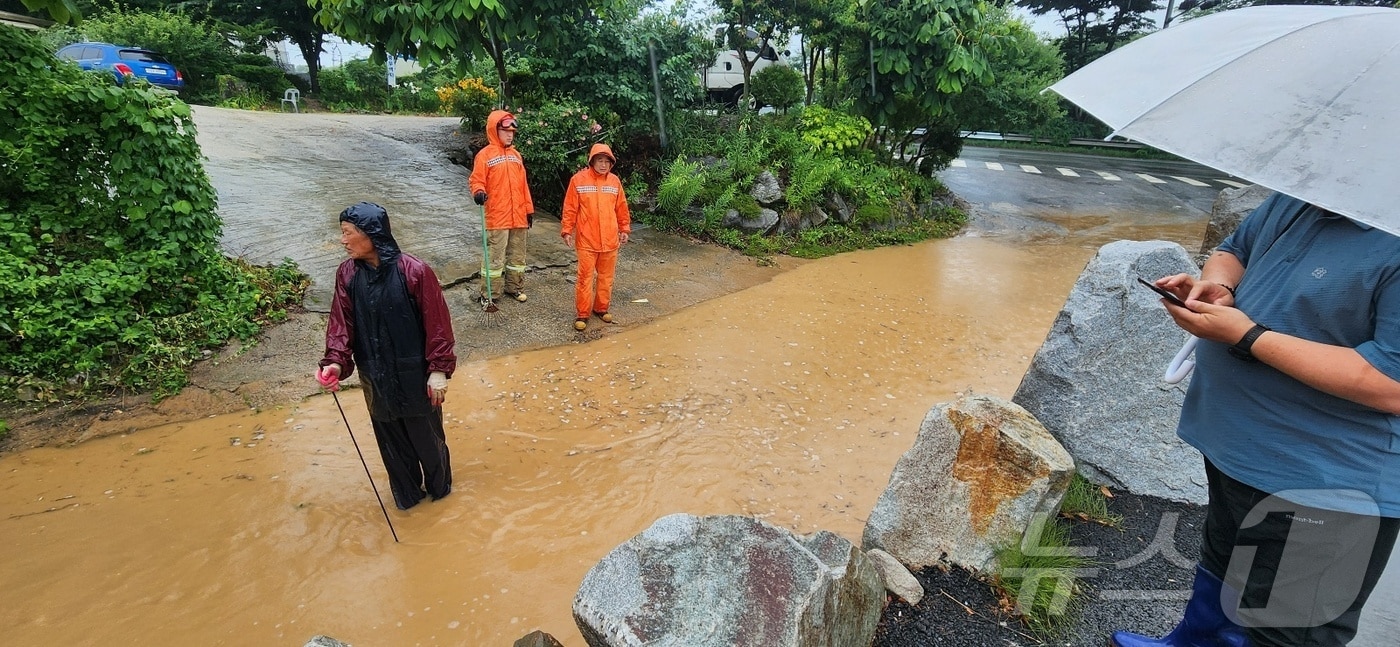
point(980, 472)
point(729, 581)
point(766, 189)
point(324, 641)
point(839, 208)
point(763, 223)
point(816, 217)
point(537, 638)
point(1231, 206)
point(898, 580)
point(1096, 383)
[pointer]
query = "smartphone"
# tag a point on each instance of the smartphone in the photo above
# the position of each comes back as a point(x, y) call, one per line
point(1165, 294)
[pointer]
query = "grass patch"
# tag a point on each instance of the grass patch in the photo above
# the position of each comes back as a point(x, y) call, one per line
point(1037, 578)
point(1089, 502)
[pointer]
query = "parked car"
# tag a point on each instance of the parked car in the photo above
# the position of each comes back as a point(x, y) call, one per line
point(123, 62)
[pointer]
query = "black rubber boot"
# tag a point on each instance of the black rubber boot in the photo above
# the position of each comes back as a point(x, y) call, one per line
point(1204, 624)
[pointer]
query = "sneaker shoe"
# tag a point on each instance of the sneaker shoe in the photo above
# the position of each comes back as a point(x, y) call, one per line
point(518, 296)
point(606, 317)
point(581, 324)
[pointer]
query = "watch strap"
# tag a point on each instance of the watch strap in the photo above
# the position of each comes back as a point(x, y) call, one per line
point(1243, 348)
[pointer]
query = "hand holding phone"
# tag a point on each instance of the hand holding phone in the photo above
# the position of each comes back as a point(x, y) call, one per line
point(1166, 294)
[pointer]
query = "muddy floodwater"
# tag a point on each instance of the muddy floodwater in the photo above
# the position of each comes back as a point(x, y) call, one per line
point(790, 401)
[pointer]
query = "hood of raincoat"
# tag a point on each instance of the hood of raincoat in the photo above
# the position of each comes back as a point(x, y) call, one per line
point(373, 220)
point(601, 149)
point(493, 120)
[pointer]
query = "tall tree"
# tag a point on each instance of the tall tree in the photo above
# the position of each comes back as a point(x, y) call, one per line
point(766, 19)
point(435, 30)
point(1095, 27)
point(294, 20)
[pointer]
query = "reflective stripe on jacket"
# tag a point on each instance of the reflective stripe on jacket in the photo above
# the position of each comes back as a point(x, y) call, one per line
point(500, 172)
point(595, 208)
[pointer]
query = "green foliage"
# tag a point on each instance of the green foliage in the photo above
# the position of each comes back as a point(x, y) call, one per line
point(554, 139)
point(680, 187)
point(1084, 500)
point(734, 148)
point(1095, 27)
point(779, 86)
point(197, 49)
point(469, 99)
point(61, 11)
point(1040, 583)
point(4, 429)
point(108, 234)
point(358, 83)
point(1011, 101)
point(923, 52)
point(833, 132)
point(603, 61)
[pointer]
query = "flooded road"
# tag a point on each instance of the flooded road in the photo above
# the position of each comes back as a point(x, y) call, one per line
point(790, 401)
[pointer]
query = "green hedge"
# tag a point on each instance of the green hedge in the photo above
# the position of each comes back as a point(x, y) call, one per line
point(108, 234)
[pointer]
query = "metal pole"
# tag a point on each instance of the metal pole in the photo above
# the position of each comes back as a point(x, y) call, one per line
point(1171, 5)
point(656, 89)
point(366, 466)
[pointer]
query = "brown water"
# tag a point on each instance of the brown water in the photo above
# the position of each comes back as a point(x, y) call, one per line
point(790, 401)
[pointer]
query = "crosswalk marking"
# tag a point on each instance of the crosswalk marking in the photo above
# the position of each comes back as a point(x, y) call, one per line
point(1111, 177)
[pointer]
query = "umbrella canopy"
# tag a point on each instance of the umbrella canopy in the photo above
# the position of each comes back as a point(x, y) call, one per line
point(1299, 99)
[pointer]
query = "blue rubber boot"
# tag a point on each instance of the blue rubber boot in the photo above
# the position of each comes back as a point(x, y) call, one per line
point(1203, 625)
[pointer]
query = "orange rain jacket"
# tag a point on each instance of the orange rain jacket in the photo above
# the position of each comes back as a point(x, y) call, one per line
point(595, 208)
point(500, 172)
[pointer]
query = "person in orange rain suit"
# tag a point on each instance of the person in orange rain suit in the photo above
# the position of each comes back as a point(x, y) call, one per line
point(498, 184)
point(596, 222)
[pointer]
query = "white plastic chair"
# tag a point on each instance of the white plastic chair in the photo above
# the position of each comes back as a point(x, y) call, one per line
point(292, 95)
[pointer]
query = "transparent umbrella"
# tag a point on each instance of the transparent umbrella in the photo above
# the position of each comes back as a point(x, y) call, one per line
point(1299, 99)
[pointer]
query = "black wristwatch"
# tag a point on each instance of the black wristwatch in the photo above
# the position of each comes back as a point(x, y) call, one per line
point(1242, 348)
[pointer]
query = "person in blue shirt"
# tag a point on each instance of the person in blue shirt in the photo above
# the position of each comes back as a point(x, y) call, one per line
point(1295, 405)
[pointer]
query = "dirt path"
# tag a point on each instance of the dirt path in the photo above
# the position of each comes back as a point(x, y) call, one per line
point(283, 179)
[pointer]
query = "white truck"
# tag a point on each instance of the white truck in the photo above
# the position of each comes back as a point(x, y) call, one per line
point(724, 79)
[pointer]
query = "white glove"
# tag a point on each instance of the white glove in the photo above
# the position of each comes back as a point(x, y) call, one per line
point(437, 387)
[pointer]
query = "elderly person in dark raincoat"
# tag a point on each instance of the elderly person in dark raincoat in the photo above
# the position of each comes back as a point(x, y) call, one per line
point(389, 316)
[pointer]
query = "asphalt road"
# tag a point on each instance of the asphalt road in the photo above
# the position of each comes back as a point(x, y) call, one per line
point(1057, 195)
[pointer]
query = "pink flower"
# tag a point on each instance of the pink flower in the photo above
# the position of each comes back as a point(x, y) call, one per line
point(595, 129)
point(585, 117)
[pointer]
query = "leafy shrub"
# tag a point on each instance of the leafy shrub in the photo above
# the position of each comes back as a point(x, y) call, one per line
point(830, 131)
point(108, 234)
point(680, 187)
point(810, 179)
point(779, 86)
point(554, 139)
point(412, 96)
point(197, 49)
point(358, 84)
point(470, 99)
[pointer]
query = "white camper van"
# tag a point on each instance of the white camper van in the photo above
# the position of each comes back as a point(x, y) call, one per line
point(724, 80)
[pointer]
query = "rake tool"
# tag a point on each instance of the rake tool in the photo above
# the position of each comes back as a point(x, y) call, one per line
point(490, 313)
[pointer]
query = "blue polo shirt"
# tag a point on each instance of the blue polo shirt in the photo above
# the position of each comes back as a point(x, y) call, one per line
point(1312, 274)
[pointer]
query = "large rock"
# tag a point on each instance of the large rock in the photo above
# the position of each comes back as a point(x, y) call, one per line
point(729, 581)
point(324, 641)
point(1231, 206)
point(766, 189)
point(1096, 383)
point(763, 223)
point(978, 474)
point(537, 638)
point(839, 209)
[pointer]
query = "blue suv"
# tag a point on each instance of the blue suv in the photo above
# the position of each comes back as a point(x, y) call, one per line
point(125, 61)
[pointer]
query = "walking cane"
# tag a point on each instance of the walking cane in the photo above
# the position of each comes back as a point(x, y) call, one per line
point(366, 466)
